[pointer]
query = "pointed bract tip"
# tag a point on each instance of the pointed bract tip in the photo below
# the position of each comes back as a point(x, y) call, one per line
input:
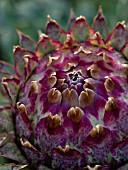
point(123, 23)
point(15, 47)
point(80, 17)
point(72, 19)
point(68, 38)
point(125, 66)
point(25, 143)
point(100, 11)
point(54, 121)
point(34, 89)
point(18, 31)
point(75, 114)
point(64, 150)
point(50, 19)
point(27, 56)
point(95, 168)
point(20, 34)
point(20, 105)
point(96, 131)
point(39, 32)
point(3, 81)
point(100, 14)
point(42, 36)
point(120, 24)
point(72, 14)
point(26, 60)
point(96, 35)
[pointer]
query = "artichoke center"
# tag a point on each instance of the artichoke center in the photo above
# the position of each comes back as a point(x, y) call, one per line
point(74, 78)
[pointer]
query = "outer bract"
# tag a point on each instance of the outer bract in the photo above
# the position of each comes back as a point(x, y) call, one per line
point(65, 101)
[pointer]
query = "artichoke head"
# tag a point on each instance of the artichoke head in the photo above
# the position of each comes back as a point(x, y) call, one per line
point(64, 103)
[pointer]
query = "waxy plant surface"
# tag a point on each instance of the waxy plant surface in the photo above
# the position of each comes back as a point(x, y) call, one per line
point(64, 103)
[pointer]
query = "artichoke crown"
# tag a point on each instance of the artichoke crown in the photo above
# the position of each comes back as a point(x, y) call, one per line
point(65, 101)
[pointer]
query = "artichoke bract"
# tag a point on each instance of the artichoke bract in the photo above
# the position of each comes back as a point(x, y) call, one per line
point(64, 102)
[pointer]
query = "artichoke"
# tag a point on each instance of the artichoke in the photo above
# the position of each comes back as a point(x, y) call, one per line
point(64, 104)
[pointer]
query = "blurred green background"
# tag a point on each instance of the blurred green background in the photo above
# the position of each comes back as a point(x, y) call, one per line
point(29, 16)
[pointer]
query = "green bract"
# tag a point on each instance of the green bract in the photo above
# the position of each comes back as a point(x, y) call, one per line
point(64, 103)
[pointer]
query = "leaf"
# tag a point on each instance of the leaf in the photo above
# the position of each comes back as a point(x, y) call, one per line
point(3, 96)
point(71, 21)
point(26, 42)
point(120, 152)
point(104, 139)
point(12, 84)
point(6, 70)
point(124, 50)
point(13, 167)
point(100, 24)
point(54, 31)
point(6, 120)
point(81, 30)
point(9, 149)
point(33, 155)
point(6, 67)
point(19, 54)
point(125, 167)
point(46, 45)
point(6, 167)
point(117, 37)
point(4, 160)
point(70, 43)
point(72, 158)
point(97, 40)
